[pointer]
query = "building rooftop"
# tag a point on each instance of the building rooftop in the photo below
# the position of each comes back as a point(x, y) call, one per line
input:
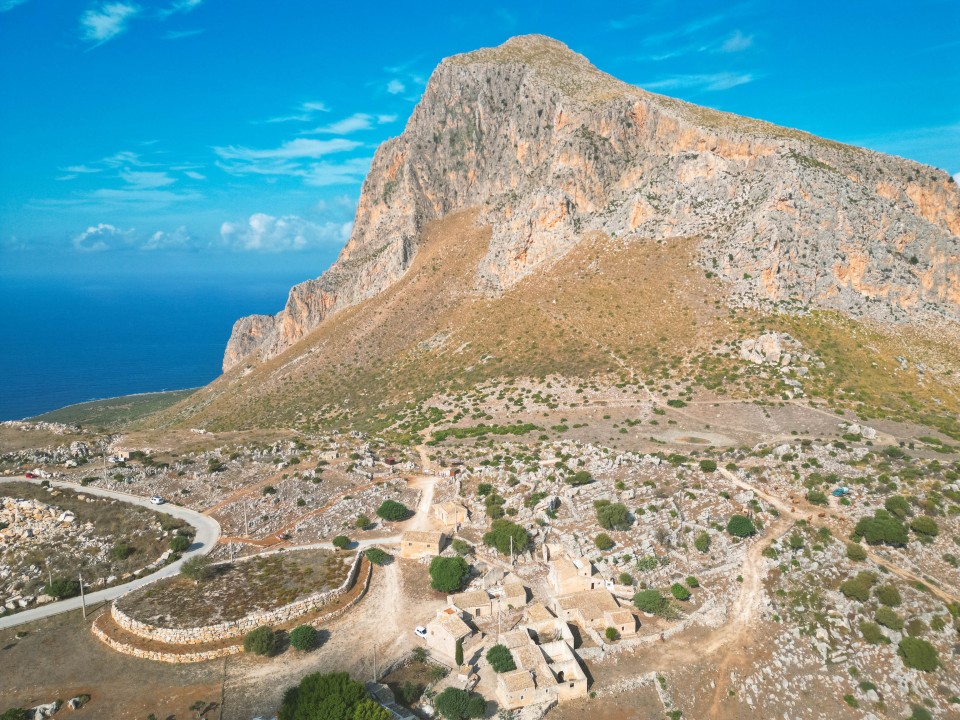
point(517, 680)
point(591, 603)
point(422, 536)
point(452, 624)
point(472, 598)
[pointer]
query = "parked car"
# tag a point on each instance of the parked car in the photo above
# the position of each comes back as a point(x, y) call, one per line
point(420, 631)
point(157, 500)
point(30, 476)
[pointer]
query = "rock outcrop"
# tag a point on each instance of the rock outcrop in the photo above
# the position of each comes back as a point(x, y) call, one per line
point(549, 148)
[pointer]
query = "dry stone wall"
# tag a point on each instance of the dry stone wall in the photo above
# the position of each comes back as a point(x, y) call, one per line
point(225, 630)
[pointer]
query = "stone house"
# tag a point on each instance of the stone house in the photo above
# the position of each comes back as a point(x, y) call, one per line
point(421, 543)
point(450, 513)
point(484, 603)
point(568, 576)
point(444, 631)
point(597, 609)
point(547, 672)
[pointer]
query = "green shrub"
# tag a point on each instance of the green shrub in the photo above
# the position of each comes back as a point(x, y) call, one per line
point(872, 633)
point(679, 592)
point(702, 541)
point(889, 618)
point(625, 578)
point(650, 601)
point(708, 466)
point(925, 525)
point(603, 541)
point(62, 588)
point(816, 497)
point(197, 568)
point(581, 477)
point(881, 528)
point(897, 506)
point(500, 534)
point(611, 633)
point(393, 510)
point(121, 551)
point(856, 552)
point(341, 542)
point(377, 556)
point(501, 659)
point(458, 653)
point(16, 714)
point(918, 654)
point(262, 641)
point(179, 543)
point(858, 588)
point(303, 637)
point(889, 595)
point(362, 522)
point(461, 547)
point(693, 582)
point(332, 696)
point(448, 574)
point(740, 526)
point(484, 489)
point(268, 490)
point(612, 516)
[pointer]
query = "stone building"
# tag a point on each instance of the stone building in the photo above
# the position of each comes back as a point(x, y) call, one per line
point(450, 513)
point(421, 543)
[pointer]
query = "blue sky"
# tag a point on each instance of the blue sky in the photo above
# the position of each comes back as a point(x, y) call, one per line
point(230, 136)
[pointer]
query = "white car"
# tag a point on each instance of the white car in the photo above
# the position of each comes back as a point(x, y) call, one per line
point(157, 500)
point(420, 631)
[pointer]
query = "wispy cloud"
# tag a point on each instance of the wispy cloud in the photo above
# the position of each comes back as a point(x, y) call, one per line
point(357, 121)
point(179, 6)
point(7, 5)
point(107, 21)
point(343, 173)
point(175, 240)
point(267, 233)
point(395, 87)
point(304, 113)
point(737, 42)
point(146, 179)
point(194, 175)
point(299, 148)
point(923, 144)
point(82, 169)
point(180, 34)
point(709, 82)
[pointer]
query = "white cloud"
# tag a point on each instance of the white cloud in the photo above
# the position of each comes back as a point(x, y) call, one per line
point(82, 169)
point(106, 22)
point(736, 42)
point(357, 121)
point(299, 148)
point(101, 237)
point(162, 240)
point(7, 5)
point(144, 179)
point(349, 171)
point(711, 82)
point(181, 6)
point(268, 233)
point(194, 175)
point(123, 158)
point(383, 119)
point(305, 112)
point(395, 87)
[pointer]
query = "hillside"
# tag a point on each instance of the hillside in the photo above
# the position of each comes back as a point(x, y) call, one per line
point(540, 217)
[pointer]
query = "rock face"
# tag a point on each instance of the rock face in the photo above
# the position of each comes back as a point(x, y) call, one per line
point(551, 149)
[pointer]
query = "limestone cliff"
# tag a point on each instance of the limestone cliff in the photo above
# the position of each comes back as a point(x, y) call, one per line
point(547, 147)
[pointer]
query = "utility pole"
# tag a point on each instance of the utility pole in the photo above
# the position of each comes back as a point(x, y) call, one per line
point(511, 550)
point(83, 601)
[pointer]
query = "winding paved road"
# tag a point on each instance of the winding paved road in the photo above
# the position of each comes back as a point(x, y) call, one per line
point(208, 533)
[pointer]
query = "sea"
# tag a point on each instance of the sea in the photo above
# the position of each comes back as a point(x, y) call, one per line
point(70, 340)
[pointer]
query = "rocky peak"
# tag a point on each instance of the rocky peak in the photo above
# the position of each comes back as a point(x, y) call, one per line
point(549, 149)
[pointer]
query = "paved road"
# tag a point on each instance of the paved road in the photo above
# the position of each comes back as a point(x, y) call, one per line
point(208, 532)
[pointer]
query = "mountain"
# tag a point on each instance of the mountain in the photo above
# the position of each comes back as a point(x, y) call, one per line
point(538, 218)
point(548, 149)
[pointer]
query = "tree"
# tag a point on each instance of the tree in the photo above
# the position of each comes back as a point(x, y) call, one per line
point(679, 592)
point(393, 510)
point(702, 541)
point(197, 568)
point(612, 516)
point(461, 547)
point(377, 556)
point(341, 542)
point(456, 704)
point(925, 525)
point(363, 522)
point(179, 543)
point(458, 652)
point(369, 710)
point(303, 637)
point(603, 541)
point(15, 714)
point(500, 535)
point(448, 574)
point(740, 526)
point(708, 466)
point(611, 633)
point(501, 659)
point(581, 477)
point(333, 696)
point(262, 641)
point(918, 654)
point(62, 588)
point(484, 489)
point(649, 601)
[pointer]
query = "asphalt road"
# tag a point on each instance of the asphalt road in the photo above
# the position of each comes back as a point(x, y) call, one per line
point(208, 532)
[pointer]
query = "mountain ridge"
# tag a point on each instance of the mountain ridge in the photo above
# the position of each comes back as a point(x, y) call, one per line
point(548, 148)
